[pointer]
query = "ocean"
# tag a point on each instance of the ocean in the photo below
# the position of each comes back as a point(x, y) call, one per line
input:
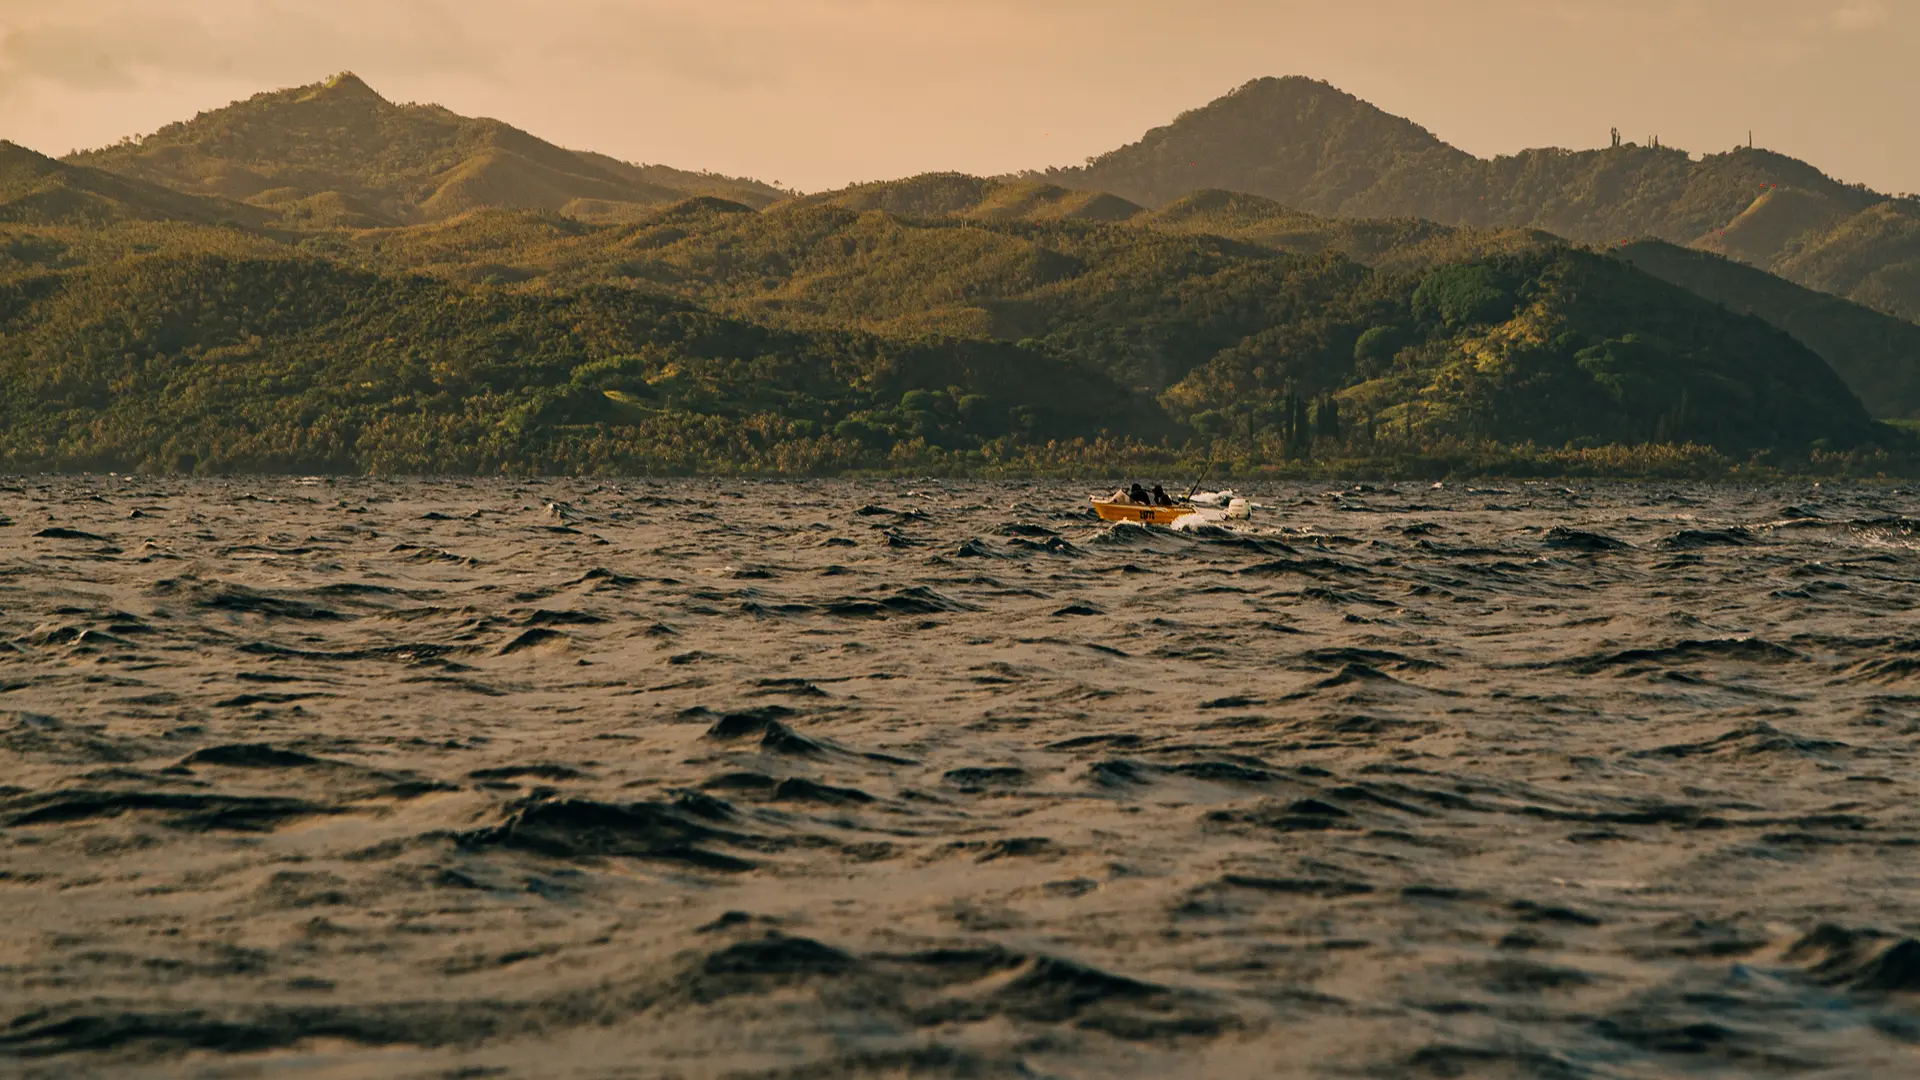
point(566, 778)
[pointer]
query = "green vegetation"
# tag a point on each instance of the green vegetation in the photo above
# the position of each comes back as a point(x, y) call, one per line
point(37, 190)
point(1312, 147)
point(339, 155)
point(318, 280)
point(675, 358)
point(1878, 355)
point(206, 363)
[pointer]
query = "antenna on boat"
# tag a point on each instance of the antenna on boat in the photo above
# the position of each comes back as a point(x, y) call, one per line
point(1211, 454)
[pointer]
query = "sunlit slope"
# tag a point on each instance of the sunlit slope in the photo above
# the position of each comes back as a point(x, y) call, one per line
point(1312, 147)
point(377, 162)
point(212, 363)
point(37, 190)
point(696, 357)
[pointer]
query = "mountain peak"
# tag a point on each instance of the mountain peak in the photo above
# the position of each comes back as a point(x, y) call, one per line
point(1291, 84)
point(1299, 140)
point(345, 86)
point(342, 143)
point(1313, 108)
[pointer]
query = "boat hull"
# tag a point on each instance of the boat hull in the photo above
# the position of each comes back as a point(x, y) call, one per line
point(1143, 515)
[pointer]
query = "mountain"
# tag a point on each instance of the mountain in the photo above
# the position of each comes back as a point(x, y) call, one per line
point(1878, 355)
point(1107, 292)
point(1310, 146)
point(1295, 140)
point(1143, 303)
point(1409, 244)
point(338, 154)
point(319, 279)
point(1396, 242)
point(1872, 257)
point(819, 337)
point(976, 198)
point(37, 190)
point(185, 362)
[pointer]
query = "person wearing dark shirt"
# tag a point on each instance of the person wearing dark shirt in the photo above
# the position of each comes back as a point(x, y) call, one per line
point(1160, 496)
point(1139, 495)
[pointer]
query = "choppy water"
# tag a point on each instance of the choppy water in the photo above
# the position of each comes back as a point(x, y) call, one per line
point(881, 779)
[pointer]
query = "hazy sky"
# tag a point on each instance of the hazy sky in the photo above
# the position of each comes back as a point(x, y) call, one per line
point(818, 93)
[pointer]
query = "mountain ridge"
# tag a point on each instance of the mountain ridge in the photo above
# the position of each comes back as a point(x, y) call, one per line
point(1311, 146)
point(1875, 353)
point(375, 162)
point(39, 190)
point(181, 360)
point(410, 288)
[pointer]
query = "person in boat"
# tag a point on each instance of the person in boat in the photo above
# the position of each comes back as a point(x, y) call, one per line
point(1160, 496)
point(1138, 495)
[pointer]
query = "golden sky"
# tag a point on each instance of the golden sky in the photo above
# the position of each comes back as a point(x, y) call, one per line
point(819, 93)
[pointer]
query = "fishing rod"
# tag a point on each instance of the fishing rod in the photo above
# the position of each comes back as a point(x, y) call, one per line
point(1211, 454)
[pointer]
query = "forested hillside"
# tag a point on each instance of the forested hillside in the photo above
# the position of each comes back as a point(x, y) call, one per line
point(184, 362)
point(1878, 355)
point(713, 338)
point(37, 190)
point(1308, 145)
point(337, 154)
point(320, 280)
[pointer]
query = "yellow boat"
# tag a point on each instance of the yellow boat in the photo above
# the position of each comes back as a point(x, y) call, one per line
point(1144, 515)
